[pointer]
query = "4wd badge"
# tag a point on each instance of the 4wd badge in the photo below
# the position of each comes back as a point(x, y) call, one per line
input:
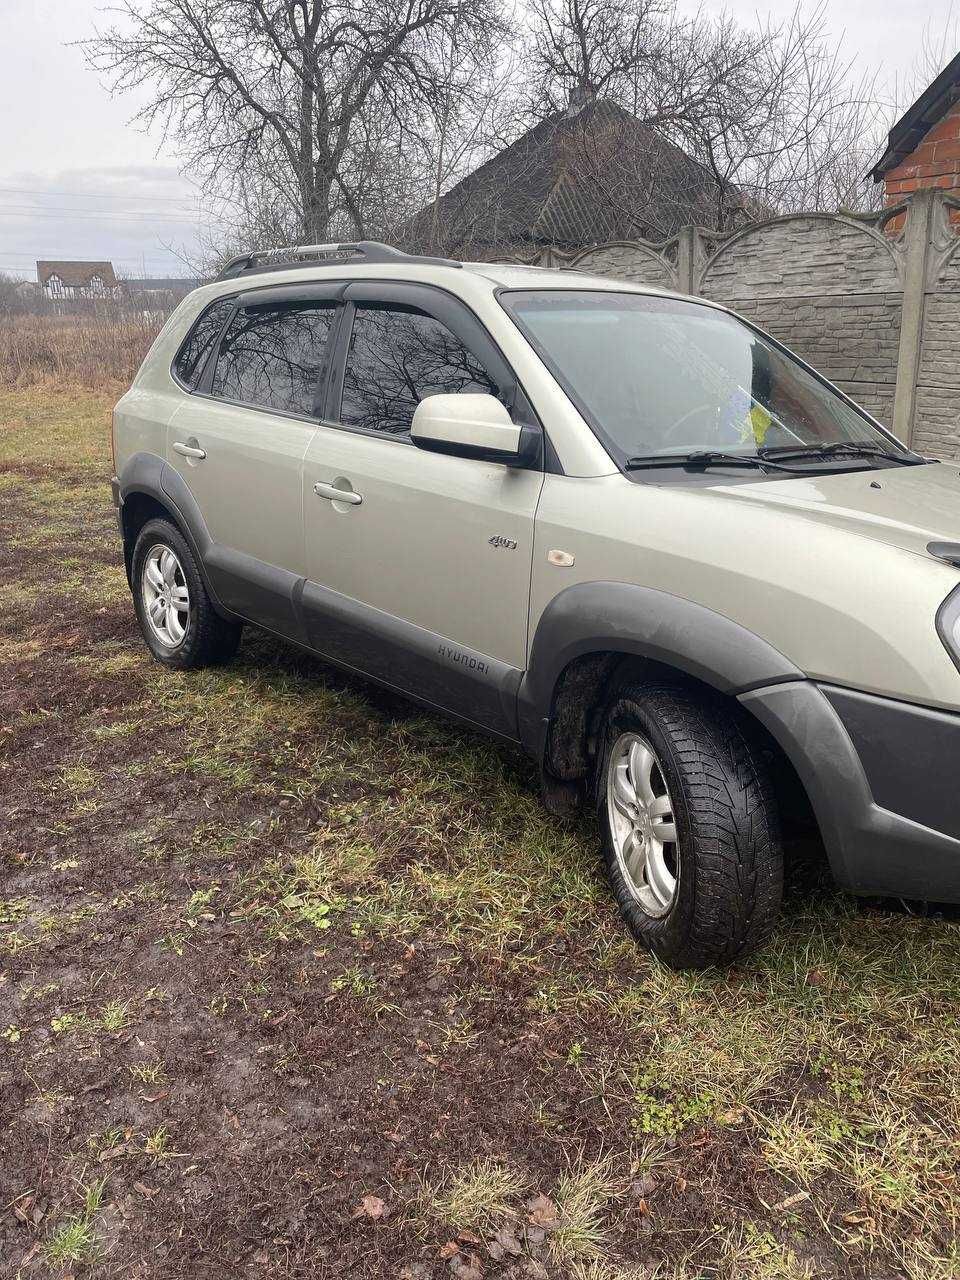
point(498, 540)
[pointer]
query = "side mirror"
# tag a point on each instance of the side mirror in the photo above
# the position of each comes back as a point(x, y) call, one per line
point(468, 425)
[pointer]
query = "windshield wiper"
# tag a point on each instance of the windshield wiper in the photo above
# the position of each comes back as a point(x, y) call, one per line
point(702, 458)
point(840, 449)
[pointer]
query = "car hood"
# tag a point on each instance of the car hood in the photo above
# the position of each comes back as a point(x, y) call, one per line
point(905, 507)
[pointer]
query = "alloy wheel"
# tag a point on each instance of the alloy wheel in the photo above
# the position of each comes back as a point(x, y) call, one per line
point(166, 597)
point(643, 823)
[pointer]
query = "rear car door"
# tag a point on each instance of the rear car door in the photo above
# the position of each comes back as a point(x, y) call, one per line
point(239, 439)
point(420, 574)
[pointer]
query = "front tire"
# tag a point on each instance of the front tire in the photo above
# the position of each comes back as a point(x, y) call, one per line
point(689, 824)
point(176, 615)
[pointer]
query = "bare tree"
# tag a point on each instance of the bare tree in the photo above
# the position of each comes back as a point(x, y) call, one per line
point(465, 128)
point(403, 165)
point(796, 127)
point(284, 108)
point(325, 119)
point(776, 117)
point(582, 49)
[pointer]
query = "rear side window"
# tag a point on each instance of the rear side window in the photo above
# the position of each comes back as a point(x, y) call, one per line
point(273, 357)
point(192, 356)
point(397, 356)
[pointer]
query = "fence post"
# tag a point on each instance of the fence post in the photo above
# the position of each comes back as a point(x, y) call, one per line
point(917, 236)
point(687, 259)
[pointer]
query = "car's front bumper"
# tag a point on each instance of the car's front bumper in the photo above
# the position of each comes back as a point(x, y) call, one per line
point(883, 778)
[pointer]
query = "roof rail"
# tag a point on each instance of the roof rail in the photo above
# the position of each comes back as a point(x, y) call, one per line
point(323, 255)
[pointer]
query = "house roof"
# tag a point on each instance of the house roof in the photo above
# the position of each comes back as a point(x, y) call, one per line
point(77, 275)
point(577, 178)
point(909, 131)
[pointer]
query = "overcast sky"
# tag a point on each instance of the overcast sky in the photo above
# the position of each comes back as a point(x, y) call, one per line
point(78, 181)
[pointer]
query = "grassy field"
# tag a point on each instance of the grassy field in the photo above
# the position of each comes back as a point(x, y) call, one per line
point(296, 980)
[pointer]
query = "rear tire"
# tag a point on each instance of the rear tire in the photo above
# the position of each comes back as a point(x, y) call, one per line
point(689, 824)
point(176, 615)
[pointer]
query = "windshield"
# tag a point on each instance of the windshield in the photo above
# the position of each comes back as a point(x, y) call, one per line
point(657, 376)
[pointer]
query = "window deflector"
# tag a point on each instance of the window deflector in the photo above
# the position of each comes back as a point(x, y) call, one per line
point(292, 295)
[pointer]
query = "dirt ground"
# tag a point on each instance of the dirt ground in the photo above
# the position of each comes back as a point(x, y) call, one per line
point(296, 980)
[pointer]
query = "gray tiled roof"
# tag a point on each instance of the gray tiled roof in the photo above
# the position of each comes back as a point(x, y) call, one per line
point(573, 180)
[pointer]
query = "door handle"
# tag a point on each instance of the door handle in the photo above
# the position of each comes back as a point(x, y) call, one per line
point(333, 494)
point(188, 450)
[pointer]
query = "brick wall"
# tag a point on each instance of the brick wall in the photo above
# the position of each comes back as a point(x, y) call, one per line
point(934, 163)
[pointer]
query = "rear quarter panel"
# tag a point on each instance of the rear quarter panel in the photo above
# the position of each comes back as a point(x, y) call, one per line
point(141, 416)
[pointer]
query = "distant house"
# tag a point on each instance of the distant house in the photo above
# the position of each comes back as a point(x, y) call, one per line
point(589, 174)
point(923, 147)
point(73, 281)
point(162, 292)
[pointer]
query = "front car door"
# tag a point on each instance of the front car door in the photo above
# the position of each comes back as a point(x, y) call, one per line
point(420, 573)
point(239, 440)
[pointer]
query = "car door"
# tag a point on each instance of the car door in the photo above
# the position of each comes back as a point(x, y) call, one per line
point(418, 563)
point(238, 443)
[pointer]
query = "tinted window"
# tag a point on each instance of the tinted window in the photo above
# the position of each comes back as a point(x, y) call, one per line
point(397, 356)
point(273, 357)
point(192, 355)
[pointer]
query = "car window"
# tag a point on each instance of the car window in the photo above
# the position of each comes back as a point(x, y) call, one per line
point(192, 356)
point(273, 357)
point(397, 356)
point(664, 375)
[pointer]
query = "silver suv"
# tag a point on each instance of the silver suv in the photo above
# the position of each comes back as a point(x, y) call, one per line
point(622, 528)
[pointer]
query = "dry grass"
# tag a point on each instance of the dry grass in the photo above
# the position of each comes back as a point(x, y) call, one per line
point(98, 349)
point(475, 1197)
point(583, 1195)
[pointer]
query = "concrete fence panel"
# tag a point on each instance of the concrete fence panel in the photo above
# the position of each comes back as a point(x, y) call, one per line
point(637, 262)
point(829, 288)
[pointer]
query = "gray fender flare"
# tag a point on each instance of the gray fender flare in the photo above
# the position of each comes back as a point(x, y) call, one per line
point(619, 617)
point(149, 474)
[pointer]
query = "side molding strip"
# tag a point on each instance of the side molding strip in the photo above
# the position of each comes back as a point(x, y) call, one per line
point(412, 659)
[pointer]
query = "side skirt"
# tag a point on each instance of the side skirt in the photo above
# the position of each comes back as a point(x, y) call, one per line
point(411, 659)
